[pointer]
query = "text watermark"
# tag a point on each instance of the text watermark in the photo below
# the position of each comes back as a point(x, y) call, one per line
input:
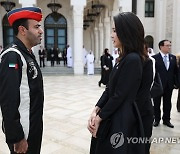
point(117, 140)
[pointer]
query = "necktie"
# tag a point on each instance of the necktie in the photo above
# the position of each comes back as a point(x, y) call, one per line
point(166, 62)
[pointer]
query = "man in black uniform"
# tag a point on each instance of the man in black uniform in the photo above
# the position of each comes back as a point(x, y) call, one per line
point(21, 84)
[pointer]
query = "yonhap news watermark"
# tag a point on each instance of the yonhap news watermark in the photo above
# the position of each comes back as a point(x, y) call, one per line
point(118, 139)
point(157, 140)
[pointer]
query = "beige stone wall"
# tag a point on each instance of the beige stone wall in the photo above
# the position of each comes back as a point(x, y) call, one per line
point(160, 27)
point(169, 19)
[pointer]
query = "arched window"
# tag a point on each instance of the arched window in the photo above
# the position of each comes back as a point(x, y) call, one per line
point(150, 41)
point(8, 35)
point(55, 31)
point(149, 8)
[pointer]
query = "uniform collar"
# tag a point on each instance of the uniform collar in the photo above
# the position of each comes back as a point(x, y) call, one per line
point(20, 45)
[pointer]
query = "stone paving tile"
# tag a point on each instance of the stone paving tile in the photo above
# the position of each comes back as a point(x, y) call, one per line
point(69, 101)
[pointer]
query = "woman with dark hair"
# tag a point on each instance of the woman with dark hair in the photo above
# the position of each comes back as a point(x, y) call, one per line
point(106, 67)
point(115, 120)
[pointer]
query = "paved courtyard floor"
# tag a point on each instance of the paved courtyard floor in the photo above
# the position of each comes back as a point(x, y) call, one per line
point(69, 101)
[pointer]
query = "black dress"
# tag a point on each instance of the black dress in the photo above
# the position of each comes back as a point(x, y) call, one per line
point(120, 116)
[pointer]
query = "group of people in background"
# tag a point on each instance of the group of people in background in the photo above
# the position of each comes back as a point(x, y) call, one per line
point(55, 55)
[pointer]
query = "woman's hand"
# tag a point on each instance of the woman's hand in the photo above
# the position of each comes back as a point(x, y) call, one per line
point(91, 121)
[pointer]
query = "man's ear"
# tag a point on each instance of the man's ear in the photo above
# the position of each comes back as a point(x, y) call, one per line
point(22, 30)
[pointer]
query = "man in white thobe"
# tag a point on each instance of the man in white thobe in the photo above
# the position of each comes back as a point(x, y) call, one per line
point(115, 55)
point(151, 52)
point(90, 63)
point(69, 57)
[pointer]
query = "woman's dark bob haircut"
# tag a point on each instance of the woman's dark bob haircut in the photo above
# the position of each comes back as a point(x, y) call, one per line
point(130, 32)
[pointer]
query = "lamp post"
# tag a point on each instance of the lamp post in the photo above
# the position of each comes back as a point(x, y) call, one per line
point(8, 5)
point(54, 8)
point(97, 7)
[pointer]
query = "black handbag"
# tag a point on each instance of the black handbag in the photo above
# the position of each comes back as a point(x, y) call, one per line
point(157, 88)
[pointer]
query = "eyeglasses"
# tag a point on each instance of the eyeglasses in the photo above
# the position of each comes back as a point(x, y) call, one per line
point(167, 45)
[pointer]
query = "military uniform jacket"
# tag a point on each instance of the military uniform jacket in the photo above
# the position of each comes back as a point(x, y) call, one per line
point(22, 95)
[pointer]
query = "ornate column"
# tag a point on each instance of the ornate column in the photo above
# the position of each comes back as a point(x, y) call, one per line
point(127, 5)
point(27, 3)
point(96, 43)
point(160, 15)
point(101, 41)
point(107, 34)
point(78, 35)
point(92, 40)
point(176, 27)
point(117, 8)
point(141, 10)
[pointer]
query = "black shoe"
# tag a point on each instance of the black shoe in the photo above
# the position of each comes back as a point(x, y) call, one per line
point(99, 83)
point(167, 123)
point(155, 124)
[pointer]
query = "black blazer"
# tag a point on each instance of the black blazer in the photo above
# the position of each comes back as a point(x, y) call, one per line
point(117, 103)
point(167, 76)
point(123, 85)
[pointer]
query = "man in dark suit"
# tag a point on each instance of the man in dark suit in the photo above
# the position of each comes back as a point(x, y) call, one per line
point(41, 56)
point(166, 65)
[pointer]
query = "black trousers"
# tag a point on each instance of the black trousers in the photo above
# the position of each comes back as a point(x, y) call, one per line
point(166, 105)
point(41, 62)
point(147, 121)
point(65, 61)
